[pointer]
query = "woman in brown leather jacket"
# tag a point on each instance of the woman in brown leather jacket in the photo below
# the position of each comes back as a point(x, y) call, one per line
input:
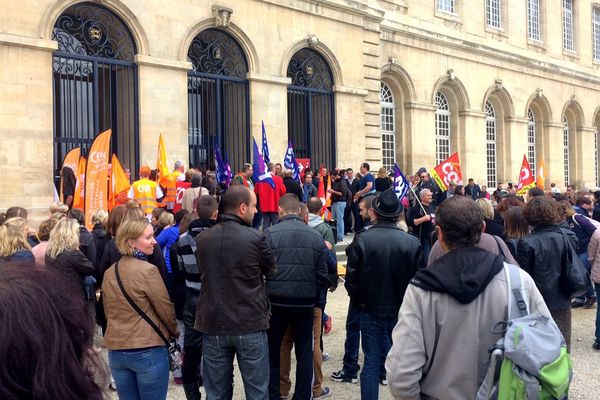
point(138, 357)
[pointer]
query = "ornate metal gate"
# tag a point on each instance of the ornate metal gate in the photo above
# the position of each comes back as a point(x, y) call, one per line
point(311, 116)
point(94, 83)
point(218, 105)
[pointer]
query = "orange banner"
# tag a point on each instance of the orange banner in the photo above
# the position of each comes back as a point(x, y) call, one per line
point(526, 178)
point(541, 176)
point(119, 184)
point(161, 163)
point(96, 177)
point(447, 171)
point(79, 198)
point(71, 161)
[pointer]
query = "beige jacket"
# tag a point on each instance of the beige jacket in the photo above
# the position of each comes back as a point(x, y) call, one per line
point(187, 202)
point(594, 255)
point(143, 283)
point(440, 346)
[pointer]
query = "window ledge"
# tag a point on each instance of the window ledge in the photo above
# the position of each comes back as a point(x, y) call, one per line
point(536, 45)
point(571, 54)
point(496, 31)
point(453, 17)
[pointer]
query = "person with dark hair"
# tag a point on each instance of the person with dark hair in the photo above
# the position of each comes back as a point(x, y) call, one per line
point(420, 219)
point(58, 364)
point(472, 189)
point(20, 212)
point(207, 212)
point(293, 292)
point(269, 197)
point(137, 354)
point(351, 210)
point(233, 313)
point(315, 221)
point(583, 206)
point(244, 177)
point(516, 227)
point(542, 254)
point(292, 186)
point(68, 184)
point(596, 209)
point(382, 260)
point(167, 237)
point(339, 194)
point(39, 251)
point(308, 188)
point(456, 300)
point(196, 190)
point(534, 192)
point(86, 240)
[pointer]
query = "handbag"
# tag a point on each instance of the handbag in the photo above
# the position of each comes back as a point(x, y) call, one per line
point(175, 359)
point(574, 279)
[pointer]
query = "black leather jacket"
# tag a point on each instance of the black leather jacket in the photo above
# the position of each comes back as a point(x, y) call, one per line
point(301, 263)
point(233, 260)
point(381, 262)
point(542, 255)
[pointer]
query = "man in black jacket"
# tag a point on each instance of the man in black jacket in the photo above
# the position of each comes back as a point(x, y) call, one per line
point(292, 186)
point(233, 314)
point(293, 292)
point(381, 263)
point(351, 206)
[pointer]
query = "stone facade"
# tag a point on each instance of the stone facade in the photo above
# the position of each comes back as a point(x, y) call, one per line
point(410, 45)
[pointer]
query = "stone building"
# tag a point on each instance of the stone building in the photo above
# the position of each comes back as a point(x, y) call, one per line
point(346, 81)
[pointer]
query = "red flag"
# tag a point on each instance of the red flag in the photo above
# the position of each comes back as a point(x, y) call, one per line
point(448, 170)
point(526, 178)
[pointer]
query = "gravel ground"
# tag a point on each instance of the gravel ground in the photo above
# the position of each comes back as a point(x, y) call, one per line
point(586, 361)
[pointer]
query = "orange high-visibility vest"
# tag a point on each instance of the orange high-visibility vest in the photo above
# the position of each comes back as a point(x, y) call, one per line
point(171, 190)
point(144, 192)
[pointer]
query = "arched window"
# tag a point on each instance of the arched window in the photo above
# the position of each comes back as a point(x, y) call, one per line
point(311, 119)
point(218, 105)
point(388, 127)
point(94, 83)
point(442, 128)
point(566, 150)
point(531, 155)
point(490, 143)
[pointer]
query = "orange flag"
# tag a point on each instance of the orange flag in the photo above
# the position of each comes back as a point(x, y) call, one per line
point(526, 178)
point(97, 176)
point(79, 198)
point(541, 176)
point(161, 162)
point(119, 184)
point(72, 161)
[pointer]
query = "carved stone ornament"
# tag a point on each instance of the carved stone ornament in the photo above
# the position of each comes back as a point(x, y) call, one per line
point(539, 93)
point(313, 40)
point(222, 15)
point(393, 60)
point(451, 75)
point(573, 98)
point(498, 84)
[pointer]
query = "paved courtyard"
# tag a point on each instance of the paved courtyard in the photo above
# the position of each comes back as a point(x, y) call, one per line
point(586, 380)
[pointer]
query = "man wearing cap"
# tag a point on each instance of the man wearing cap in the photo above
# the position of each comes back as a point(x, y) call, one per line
point(145, 191)
point(381, 263)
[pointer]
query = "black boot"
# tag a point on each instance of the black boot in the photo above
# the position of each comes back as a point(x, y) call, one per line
point(192, 392)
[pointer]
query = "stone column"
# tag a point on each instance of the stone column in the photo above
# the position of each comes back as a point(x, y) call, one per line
point(163, 108)
point(352, 147)
point(419, 150)
point(471, 147)
point(512, 144)
point(268, 100)
point(552, 152)
point(584, 153)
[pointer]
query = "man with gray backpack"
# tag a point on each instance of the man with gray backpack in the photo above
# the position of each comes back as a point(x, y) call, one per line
point(459, 309)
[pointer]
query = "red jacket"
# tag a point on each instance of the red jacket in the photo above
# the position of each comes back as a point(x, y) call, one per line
point(269, 197)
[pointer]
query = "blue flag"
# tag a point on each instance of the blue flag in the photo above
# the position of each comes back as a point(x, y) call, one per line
point(228, 171)
point(261, 173)
point(289, 161)
point(222, 174)
point(401, 184)
point(265, 146)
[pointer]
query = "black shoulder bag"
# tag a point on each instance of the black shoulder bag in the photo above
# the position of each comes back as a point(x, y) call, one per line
point(175, 360)
point(574, 279)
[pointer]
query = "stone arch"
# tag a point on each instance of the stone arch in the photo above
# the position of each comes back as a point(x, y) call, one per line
point(403, 90)
point(540, 105)
point(500, 98)
point(322, 49)
point(574, 113)
point(117, 6)
point(453, 88)
point(238, 34)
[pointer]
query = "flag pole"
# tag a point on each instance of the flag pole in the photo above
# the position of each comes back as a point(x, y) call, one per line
point(418, 200)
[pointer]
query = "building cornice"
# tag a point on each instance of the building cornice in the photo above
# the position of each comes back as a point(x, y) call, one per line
point(274, 80)
point(494, 54)
point(350, 90)
point(25, 41)
point(141, 59)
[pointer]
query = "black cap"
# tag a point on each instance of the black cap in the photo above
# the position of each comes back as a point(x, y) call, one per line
point(387, 204)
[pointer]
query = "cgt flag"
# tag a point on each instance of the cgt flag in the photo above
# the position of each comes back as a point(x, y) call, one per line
point(526, 178)
point(265, 146)
point(401, 184)
point(260, 174)
point(289, 162)
point(96, 177)
point(161, 162)
point(448, 170)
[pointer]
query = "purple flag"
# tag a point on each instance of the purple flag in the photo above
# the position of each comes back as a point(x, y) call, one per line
point(401, 184)
point(289, 161)
point(265, 146)
point(261, 173)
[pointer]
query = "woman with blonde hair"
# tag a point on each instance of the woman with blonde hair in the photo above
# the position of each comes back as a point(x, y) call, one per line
point(492, 227)
point(63, 253)
point(138, 355)
point(382, 182)
point(13, 240)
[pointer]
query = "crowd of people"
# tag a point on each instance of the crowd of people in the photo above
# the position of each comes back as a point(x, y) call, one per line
point(244, 271)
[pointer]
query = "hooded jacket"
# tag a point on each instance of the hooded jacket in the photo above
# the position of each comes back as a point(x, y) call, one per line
point(444, 330)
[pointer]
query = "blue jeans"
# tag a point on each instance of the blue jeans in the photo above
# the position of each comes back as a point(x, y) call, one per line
point(337, 209)
point(352, 342)
point(376, 342)
point(252, 355)
point(597, 287)
point(140, 374)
